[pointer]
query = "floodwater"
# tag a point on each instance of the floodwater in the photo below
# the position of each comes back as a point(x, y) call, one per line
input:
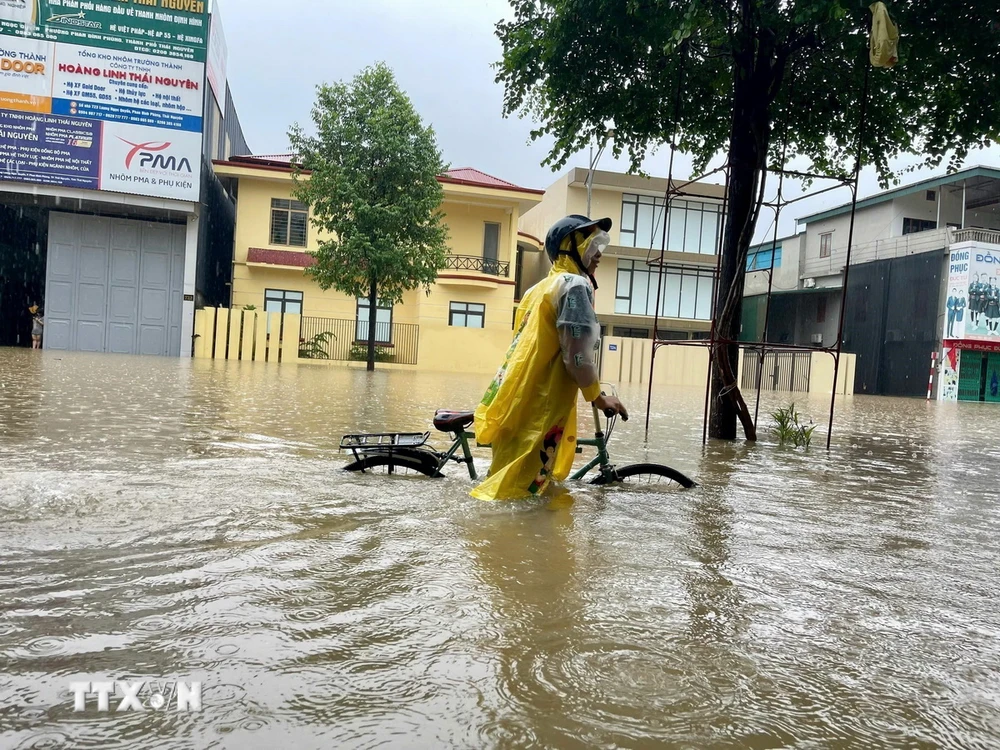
point(167, 519)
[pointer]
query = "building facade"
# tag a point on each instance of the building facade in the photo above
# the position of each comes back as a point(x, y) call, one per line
point(918, 254)
point(644, 235)
point(112, 218)
point(462, 323)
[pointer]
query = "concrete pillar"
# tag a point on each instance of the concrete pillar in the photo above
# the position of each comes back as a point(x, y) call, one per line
point(963, 204)
point(190, 277)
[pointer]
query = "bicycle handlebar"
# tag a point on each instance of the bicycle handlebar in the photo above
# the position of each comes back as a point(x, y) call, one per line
point(611, 412)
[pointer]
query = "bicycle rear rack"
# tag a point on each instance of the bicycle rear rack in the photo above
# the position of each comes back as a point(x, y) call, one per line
point(384, 441)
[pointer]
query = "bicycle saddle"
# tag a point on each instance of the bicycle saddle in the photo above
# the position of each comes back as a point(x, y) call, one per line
point(452, 421)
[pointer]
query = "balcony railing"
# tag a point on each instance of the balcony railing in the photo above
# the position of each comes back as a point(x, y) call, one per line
point(986, 236)
point(479, 264)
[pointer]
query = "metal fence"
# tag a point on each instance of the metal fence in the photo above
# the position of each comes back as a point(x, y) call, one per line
point(478, 263)
point(347, 341)
point(783, 371)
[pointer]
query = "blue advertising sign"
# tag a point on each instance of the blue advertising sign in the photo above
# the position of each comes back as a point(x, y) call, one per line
point(612, 347)
point(131, 89)
point(50, 150)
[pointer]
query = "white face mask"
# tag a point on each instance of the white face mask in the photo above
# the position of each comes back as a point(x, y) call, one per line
point(597, 243)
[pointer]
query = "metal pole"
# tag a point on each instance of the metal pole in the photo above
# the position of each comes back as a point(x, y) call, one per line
point(963, 203)
point(850, 242)
point(594, 158)
point(667, 201)
point(659, 281)
point(590, 179)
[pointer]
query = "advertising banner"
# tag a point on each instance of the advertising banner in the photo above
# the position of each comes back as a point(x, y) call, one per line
point(176, 29)
point(25, 74)
point(122, 112)
point(972, 307)
point(218, 57)
point(147, 161)
point(129, 88)
point(50, 150)
point(957, 300)
point(949, 373)
point(17, 13)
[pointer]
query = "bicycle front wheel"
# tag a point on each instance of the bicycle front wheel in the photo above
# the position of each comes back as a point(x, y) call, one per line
point(646, 474)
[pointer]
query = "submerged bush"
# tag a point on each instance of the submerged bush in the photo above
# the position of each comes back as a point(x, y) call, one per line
point(788, 429)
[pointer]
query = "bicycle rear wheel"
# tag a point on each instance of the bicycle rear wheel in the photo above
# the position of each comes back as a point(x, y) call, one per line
point(645, 474)
point(393, 463)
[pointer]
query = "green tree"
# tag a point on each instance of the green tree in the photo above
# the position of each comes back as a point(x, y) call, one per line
point(753, 75)
point(369, 176)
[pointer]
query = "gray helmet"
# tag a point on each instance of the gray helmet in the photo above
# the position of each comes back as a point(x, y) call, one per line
point(565, 227)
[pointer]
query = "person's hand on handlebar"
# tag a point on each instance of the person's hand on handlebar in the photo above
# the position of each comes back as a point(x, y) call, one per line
point(610, 405)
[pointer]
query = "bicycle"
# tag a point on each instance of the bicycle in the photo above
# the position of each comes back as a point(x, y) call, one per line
point(409, 451)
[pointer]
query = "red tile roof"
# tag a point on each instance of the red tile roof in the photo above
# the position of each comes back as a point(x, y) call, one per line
point(280, 257)
point(273, 160)
point(461, 176)
point(474, 177)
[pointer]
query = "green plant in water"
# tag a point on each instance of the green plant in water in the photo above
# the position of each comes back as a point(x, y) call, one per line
point(789, 429)
point(359, 353)
point(315, 348)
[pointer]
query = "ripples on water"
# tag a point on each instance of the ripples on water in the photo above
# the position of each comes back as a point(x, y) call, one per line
point(176, 519)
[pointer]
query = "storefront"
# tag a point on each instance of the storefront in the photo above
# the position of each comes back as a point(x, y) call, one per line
point(970, 365)
point(101, 143)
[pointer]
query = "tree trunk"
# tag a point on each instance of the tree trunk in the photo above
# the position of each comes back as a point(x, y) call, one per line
point(748, 144)
point(372, 318)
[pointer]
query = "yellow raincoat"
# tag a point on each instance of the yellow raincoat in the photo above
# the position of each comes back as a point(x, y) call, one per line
point(528, 414)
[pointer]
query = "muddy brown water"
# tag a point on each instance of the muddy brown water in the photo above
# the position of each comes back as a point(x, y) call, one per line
point(166, 519)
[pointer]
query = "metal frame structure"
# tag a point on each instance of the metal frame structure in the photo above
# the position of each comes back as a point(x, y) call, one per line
point(761, 348)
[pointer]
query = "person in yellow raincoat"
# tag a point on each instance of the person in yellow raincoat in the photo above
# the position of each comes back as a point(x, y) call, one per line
point(528, 414)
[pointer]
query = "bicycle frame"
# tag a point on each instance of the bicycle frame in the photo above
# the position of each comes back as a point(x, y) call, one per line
point(461, 441)
point(603, 458)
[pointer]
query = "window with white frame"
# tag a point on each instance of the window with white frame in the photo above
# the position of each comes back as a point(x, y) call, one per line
point(693, 226)
point(826, 245)
point(383, 321)
point(467, 315)
point(685, 292)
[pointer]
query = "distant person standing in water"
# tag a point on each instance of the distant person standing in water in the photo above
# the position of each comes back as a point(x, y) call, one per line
point(37, 326)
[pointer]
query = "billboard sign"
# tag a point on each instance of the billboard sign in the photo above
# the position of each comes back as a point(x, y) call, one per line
point(122, 112)
point(177, 29)
point(48, 150)
point(218, 56)
point(972, 303)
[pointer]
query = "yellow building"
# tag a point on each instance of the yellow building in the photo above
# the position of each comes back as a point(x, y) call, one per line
point(462, 324)
point(627, 280)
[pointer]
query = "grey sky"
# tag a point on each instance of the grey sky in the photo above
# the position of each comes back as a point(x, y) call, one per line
point(441, 52)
